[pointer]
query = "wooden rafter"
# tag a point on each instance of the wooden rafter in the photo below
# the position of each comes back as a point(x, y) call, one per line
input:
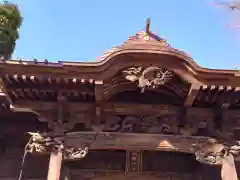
point(3, 92)
point(119, 108)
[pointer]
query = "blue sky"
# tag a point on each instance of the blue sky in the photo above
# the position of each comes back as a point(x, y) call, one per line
point(81, 30)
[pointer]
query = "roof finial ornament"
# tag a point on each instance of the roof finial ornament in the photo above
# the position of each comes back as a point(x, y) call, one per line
point(147, 30)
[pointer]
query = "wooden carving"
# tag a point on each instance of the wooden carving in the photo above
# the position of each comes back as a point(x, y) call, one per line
point(160, 125)
point(75, 153)
point(219, 154)
point(154, 124)
point(119, 124)
point(42, 144)
point(150, 77)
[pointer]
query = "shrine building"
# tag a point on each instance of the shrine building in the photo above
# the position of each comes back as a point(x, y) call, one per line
point(144, 110)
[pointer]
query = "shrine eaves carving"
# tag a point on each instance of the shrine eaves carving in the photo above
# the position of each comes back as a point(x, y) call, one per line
point(151, 77)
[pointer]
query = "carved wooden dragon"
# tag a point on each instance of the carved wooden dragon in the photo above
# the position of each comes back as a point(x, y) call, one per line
point(42, 144)
point(145, 78)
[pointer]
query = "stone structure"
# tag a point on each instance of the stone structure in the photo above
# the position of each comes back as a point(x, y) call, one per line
point(144, 110)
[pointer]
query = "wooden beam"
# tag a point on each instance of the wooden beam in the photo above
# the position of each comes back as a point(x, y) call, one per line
point(51, 89)
point(133, 141)
point(192, 94)
point(120, 108)
point(43, 105)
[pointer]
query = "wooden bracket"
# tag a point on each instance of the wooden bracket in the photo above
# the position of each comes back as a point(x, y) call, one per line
point(3, 92)
point(192, 94)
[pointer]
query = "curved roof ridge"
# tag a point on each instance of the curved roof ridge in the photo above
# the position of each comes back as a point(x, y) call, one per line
point(141, 37)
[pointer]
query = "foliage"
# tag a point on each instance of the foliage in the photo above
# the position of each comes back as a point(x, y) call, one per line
point(10, 22)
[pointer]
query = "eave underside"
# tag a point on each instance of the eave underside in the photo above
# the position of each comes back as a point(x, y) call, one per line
point(22, 87)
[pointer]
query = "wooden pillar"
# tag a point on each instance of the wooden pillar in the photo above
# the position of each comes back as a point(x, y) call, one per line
point(55, 163)
point(228, 168)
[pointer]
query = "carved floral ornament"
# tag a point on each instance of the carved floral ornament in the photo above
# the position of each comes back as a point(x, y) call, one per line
point(150, 77)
